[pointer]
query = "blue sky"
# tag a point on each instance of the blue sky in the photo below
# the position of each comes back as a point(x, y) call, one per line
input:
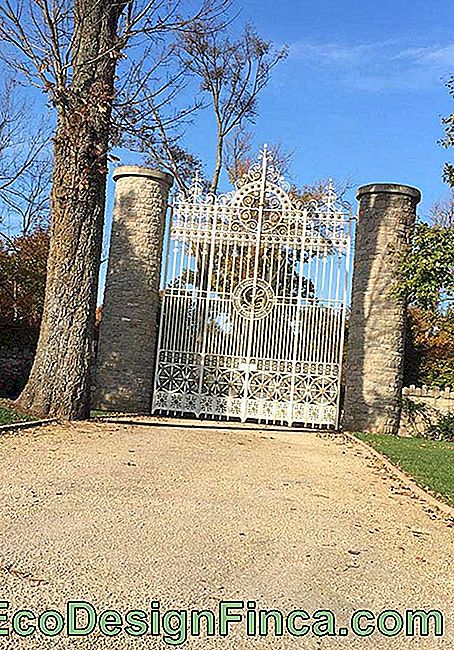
point(361, 94)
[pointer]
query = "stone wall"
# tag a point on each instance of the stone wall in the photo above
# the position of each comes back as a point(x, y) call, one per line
point(436, 402)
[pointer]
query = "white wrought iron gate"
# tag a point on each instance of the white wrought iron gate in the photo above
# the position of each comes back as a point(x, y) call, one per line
point(254, 303)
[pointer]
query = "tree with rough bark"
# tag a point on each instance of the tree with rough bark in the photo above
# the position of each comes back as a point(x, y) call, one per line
point(71, 49)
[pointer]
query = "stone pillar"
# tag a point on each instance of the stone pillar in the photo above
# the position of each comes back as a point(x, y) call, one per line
point(376, 338)
point(127, 341)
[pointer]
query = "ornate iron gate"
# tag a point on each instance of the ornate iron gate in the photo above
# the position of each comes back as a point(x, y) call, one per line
point(254, 303)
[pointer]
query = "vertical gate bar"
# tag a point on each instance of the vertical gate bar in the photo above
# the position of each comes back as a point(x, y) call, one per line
point(170, 301)
point(269, 339)
point(316, 339)
point(231, 348)
point(297, 324)
point(223, 299)
point(198, 258)
point(286, 300)
point(237, 321)
point(326, 309)
point(163, 303)
point(213, 337)
point(181, 295)
point(207, 303)
point(337, 313)
point(348, 227)
point(170, 293)
point(332, 307)
point(175, 292)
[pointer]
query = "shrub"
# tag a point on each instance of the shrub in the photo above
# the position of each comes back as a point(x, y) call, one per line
point(442, 428)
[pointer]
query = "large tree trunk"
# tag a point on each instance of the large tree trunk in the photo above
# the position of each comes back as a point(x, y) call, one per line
point(59, 383)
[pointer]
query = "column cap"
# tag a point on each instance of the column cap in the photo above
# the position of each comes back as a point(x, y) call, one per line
point(389, 188)
point(145, 172)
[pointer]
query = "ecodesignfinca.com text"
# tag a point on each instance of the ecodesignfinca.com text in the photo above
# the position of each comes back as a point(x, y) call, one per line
point(175, 626)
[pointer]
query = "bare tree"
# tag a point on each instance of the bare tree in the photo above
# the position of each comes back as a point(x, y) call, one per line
point(150, 115)
point(442, 212)
point(71, 49)
point(448, 140)
point(24, 163)
point(25, 204)
point(233, 73)
point(240, 157)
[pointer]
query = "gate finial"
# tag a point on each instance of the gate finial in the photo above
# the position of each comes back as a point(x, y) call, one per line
point(196, 188)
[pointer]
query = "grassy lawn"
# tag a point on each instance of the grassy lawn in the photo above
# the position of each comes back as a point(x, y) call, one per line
point(429, 462)
point(10, 416)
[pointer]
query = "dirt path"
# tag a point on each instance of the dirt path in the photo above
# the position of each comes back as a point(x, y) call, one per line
point(120, 515)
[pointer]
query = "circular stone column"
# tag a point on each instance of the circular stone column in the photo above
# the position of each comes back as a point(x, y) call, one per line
point(128, 333)
point(376, 335)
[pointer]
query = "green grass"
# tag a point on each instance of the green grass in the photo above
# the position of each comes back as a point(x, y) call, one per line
point(9, 416)
point(429, 462)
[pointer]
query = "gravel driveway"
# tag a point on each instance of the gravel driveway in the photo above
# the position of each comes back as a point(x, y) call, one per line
point(122, 514)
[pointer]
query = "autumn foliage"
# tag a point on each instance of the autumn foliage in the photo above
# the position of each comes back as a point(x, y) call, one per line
point(22, 282)
point(429, 354)
point(22, 278)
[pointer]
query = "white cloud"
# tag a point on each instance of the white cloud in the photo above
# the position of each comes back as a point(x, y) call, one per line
point(333, 53)
point(386, 65)
point(434, 55)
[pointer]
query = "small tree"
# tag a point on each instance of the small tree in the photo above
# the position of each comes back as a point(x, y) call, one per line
point(426, 282)
point(23, 262)
point(22, 281)
point(429, 351)
point(232, 73)
point(442, 212)
point(426, 271)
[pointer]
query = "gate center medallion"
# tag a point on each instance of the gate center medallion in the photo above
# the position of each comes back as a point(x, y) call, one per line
point(253, 298)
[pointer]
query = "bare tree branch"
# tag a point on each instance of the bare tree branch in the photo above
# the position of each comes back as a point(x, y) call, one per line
point(25, 163)
point(233, 73)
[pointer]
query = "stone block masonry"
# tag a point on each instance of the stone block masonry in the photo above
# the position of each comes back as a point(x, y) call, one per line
point(128, 332)
point(437, 398)
point(436, 402)
point(376, 339)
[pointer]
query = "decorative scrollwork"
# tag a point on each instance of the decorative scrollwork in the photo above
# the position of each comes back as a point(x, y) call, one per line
point(253, 298)
point(264, 165)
